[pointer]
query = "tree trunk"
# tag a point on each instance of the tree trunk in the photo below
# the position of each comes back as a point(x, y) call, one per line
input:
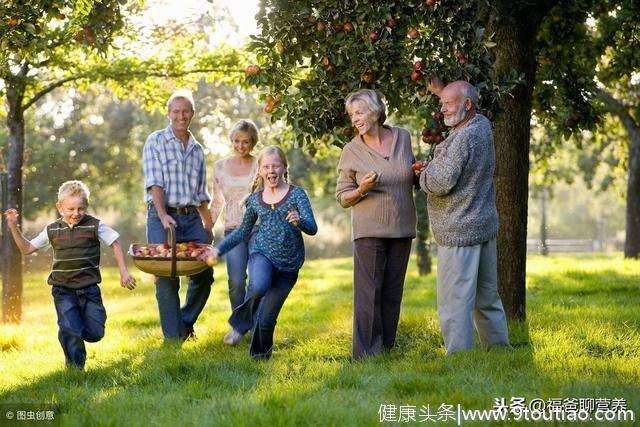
point(632, 239)
point(12, 272)
point(544, 249)
point(515, 26)
point(632, 235)
point(423, 247)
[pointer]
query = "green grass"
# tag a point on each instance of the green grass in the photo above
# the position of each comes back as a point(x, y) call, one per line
point(581, 340)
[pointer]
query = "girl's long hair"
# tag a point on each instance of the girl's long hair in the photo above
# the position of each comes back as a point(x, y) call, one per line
point(258, 182)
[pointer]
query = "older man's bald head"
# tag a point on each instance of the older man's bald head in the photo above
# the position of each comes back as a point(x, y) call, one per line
point(463, 89)
point(459, 100)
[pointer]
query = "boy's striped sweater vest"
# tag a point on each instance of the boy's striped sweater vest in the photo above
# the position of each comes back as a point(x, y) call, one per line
point(76, 253)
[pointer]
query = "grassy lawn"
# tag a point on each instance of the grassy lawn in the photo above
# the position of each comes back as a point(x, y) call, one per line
point(581, 340)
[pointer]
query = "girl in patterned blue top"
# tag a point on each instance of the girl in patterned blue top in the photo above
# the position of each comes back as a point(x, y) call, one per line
point(280, 212)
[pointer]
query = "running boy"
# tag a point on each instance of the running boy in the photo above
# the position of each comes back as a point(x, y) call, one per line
point(75, 271)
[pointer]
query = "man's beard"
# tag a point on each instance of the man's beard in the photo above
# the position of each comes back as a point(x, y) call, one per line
point(457, 118)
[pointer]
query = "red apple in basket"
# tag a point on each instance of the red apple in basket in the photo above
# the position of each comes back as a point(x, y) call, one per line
point(208, 255)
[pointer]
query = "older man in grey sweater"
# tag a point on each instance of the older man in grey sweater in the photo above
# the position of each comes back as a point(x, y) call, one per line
point(462, 210)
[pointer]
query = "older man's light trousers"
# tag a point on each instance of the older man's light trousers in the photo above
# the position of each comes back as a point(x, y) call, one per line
point(468, 296)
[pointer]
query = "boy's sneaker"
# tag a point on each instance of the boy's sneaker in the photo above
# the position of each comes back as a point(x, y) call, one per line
point(233, 337)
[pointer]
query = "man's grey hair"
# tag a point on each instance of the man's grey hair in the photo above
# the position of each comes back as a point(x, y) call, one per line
point(470, 91)
point(181, 93)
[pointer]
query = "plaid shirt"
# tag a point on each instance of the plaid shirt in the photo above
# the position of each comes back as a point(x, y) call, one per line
point(181, 173)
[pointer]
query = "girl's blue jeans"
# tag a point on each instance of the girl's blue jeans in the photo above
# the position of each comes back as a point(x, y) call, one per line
point(267, 292)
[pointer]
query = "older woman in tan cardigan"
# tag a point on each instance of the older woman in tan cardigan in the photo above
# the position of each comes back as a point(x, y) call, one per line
point(376, 182)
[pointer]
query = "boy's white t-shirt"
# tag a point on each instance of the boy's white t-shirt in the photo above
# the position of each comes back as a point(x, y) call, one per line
point(106, 234)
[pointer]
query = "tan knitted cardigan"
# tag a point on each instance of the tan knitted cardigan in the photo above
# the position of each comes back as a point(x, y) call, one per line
point(388, 211)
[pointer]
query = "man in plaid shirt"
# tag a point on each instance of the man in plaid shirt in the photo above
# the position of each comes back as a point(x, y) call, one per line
point(176, 193)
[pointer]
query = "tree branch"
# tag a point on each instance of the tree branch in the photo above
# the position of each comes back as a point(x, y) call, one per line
point(112, 76)
point(618, 108)
point(49, 88)
point(177, 73)
point(538, 10)
point(24, 69)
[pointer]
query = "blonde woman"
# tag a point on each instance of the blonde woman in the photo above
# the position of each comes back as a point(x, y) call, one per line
point(232, 180)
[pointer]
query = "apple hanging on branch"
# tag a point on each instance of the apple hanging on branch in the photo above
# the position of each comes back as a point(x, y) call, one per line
point(368, 77)
point(252, 70)
point(270, 103)
point(434, 133)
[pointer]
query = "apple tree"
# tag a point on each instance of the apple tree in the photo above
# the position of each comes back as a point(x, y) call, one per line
point(311, 54)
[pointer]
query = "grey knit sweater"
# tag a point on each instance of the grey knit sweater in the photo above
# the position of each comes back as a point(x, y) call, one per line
point(459, 186)
point(388, 210)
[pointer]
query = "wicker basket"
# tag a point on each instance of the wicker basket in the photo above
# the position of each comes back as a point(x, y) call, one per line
point(168, 266)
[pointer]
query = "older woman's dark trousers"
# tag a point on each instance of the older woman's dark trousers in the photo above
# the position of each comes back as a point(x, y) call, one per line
point(379, 268)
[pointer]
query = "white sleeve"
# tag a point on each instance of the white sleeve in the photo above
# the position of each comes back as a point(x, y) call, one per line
point(107, 234)
point(41, 241)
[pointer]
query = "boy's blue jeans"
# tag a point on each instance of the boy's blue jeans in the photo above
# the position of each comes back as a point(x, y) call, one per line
point(267, 292)
point(177, 322)
point(236, 260)
point(81, 317)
